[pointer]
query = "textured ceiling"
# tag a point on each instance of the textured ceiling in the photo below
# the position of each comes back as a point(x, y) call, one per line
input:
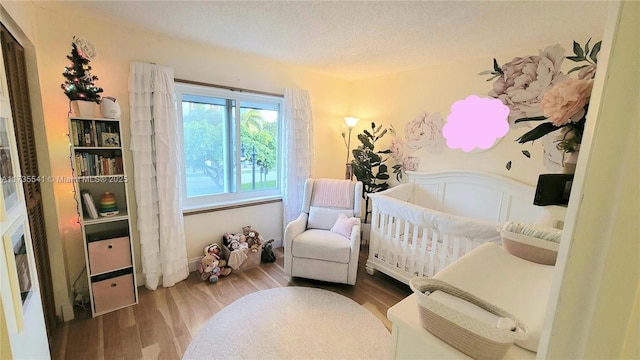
point(359, 39)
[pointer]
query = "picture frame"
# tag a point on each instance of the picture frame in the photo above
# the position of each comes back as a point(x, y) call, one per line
point(19, 273)
point(110, 139)
point(8, 185)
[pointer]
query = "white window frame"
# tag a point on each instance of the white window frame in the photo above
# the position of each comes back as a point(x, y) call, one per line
point(238, 197)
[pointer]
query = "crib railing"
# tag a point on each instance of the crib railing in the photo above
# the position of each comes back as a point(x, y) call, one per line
point(407, 241)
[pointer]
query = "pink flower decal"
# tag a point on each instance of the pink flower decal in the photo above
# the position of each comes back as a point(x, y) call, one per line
point(476, 123)
point(566, 100)
point(410, 163)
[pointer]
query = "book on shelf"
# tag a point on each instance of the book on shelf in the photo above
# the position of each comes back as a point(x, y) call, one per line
point(87, 164)
point(92, 211)
point(90, 133)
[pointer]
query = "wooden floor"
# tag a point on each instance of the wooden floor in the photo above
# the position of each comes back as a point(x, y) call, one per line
point(163, 323)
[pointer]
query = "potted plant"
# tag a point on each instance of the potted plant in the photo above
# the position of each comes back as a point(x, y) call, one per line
point(368, 164)
point(78, 84)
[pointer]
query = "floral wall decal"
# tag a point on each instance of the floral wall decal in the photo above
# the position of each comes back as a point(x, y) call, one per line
point(535, 90)
point(475, 122)
point(423, 132)
point(521, 82)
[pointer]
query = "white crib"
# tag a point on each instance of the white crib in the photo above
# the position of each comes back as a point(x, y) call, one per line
point(420, 227)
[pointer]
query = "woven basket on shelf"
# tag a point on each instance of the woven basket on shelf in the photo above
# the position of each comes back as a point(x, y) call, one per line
point(469, 335)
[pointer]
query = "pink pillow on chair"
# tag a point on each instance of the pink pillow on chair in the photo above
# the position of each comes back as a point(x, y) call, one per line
point(344, 224)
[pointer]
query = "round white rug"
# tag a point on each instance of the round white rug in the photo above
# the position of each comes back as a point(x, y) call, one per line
point(291, 323)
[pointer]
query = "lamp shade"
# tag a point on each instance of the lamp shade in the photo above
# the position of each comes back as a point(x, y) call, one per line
point(351, 121)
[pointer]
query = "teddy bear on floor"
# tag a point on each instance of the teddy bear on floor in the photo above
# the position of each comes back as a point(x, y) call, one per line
point(253, 238)
point(210, 269)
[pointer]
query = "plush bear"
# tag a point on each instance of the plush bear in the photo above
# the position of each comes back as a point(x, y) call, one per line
point(253, 238)
point(210, 269)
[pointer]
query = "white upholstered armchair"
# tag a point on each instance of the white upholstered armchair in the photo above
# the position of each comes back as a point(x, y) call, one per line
point(311, 250)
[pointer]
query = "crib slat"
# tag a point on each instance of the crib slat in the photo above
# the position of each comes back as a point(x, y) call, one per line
point(426, 234)
point(394, 258)
point(413, 259)
point(443, 251)
point(405, 243)
point(435, 238)
point(456, 249)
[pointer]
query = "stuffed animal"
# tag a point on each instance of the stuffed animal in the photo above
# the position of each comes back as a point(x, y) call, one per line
point(267, 252)
point(253, 238)
point(235, 241)
point(243, 242)
point(234, 245)
point(213, 249)
point(210, 269)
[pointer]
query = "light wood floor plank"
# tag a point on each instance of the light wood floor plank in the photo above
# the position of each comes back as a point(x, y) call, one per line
point(165, 321)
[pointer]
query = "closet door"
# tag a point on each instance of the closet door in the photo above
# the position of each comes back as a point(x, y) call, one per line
point(15, 67)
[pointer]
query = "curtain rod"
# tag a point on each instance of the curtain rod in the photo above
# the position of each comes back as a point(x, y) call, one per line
point(226, 87)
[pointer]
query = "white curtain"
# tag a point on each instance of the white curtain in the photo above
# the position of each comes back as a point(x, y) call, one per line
point(298, 150)
point(156, 161)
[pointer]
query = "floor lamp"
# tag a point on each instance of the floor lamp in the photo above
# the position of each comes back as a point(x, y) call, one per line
point(351, 123)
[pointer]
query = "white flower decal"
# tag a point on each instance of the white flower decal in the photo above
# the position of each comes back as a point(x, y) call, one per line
point(425, 131)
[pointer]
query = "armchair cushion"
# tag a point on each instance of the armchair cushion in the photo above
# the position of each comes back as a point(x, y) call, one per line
point(344, 224)
point(324, 218)
point(321, 245)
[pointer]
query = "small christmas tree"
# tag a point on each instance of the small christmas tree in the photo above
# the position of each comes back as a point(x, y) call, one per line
point(79, 81)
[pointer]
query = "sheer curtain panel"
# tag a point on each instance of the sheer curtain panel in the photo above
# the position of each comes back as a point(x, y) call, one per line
point(156, 165)
point(298, 150)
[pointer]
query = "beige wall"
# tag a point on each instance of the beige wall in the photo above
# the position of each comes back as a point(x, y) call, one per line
point(117, 46)
point(398, 98)
point(595, 285)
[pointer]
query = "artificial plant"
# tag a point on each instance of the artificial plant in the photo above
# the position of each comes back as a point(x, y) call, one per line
point(368, 164)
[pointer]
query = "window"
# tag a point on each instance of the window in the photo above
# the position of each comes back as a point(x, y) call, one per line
point(231, 143)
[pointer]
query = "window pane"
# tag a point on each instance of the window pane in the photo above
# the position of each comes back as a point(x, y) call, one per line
point(206, 128)
point(259, 145)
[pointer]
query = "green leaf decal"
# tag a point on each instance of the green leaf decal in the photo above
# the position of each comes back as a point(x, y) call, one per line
point(576, 58)
point(538, 132)
point(577, 68)
point(535, 118)
point(526, 153)
point(586, 47)
point(577, 49)
point(508, 165)
point(496, 68)
point(594, 52)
